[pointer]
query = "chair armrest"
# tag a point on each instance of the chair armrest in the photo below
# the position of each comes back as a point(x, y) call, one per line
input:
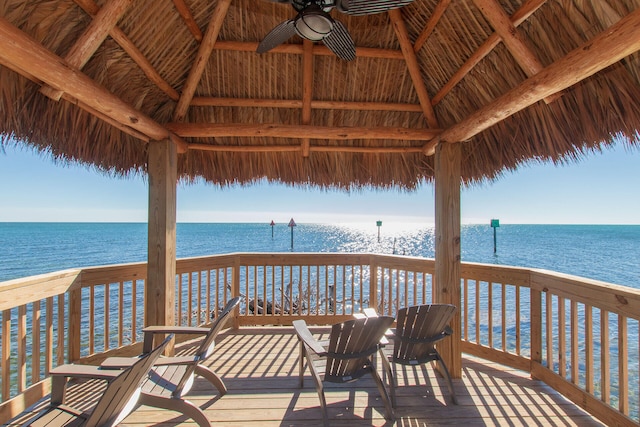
point(118, 362)
point(305, 336)
point(60, 374)
point(84, 371)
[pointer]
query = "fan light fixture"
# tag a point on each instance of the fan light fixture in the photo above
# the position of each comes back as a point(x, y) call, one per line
point(313, 23)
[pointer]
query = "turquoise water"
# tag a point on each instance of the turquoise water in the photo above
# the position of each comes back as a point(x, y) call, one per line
point(604, 252)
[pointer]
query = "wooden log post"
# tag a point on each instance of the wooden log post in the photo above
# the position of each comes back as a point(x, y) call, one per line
point(161, 268)
point(447, 272)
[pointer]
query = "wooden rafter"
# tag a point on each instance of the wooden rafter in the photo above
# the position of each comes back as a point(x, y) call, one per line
point(296, 148)
point(307, 91)
point(518, 18)
point(511, 37)
point(217, 130)
point(205, 101)
point(90, 7)
point(361, 52)
point(414, 68)
point(91, 39)
point(612, 45)
point(204, 52)
point(431, 24)
point(24, 55)
point(187, 17)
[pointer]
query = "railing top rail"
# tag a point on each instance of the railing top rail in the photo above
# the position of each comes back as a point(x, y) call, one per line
point(17, 292)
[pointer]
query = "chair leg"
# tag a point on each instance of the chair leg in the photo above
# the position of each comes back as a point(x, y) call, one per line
point(449, 383)
point(213, 378)
point(383, 393)
point(386, 366)
point(301, 357)
point(179, 405)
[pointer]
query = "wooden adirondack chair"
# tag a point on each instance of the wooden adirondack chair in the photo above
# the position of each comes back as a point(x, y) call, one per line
point(348, 355)
point(171, 378)
point(118, 400)
point(418, 329)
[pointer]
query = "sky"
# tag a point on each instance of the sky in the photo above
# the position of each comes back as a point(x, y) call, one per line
point(603, 188)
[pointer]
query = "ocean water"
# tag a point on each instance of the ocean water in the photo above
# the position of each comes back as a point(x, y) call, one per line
point(605, 252)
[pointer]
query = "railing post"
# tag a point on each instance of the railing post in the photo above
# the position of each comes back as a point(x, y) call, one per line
point(536, 325)
point(74, 333)
point(373, 283)
point(235, 289)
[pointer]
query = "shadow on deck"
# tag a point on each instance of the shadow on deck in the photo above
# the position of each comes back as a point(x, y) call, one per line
point(259, 367)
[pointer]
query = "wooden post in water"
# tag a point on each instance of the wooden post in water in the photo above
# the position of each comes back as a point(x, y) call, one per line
point(379, 224)
point(495, 223)
point(272, 224)
point(292, 224)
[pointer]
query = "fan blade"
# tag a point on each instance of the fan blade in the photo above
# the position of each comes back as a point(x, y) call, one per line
point(277, 36)
point(369, 7)
point(339, 41)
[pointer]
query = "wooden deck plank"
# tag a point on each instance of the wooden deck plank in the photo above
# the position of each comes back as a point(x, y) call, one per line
point(259, 367)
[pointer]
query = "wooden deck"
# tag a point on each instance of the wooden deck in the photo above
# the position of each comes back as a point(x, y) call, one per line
point(259, 367)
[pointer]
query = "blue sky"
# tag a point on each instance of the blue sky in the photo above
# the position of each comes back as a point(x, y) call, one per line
point(603, 188)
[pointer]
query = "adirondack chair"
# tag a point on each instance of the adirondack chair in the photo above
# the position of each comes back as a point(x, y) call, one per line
point(118, 400)
point(171, 378)
point(348, 355)
point(418, 329)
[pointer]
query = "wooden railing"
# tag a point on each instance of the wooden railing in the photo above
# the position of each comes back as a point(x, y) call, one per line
point(578, 335)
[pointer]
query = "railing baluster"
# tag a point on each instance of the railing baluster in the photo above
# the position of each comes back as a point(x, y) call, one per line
point(49, 337)
point(21, 357)
point(549, 329)
point(575, 361)
point(518, 289)
point(490, 312)
point(477, 285)
point(92, 319)
point(134, 310)
point(61, 337)
point(466, 309)
point(107, 310)
point(588, 349)
point(36, 324)
point(605, 374)
point(503, 313)
point(120, 313)
point(562, 338)
point(189, 299)
point(6, 354)
point(208, 296)
point(623, 366)
point(199, 318)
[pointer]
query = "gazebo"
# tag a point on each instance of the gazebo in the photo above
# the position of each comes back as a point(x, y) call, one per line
point(397, 94)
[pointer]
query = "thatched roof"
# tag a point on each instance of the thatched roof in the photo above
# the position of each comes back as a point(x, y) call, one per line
point(435, 71)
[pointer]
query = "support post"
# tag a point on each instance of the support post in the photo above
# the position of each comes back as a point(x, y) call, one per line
point(161, 268)
point(447, 272)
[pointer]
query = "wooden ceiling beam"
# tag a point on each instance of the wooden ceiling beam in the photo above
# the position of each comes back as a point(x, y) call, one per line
point(511, 37)
point(612, 45)
point(494, 39)
point(24, 55)
point(296, 148)
point(297, 103)
point(187, 17)
point(414, 68)
point(320, 50)
point(91, 8)
point(202, 57)
point(219, 130)
point(91, 39)
point(307, 91)
point(440, 9)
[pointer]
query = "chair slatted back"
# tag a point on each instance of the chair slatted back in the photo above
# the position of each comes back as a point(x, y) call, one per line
point(122, 392)
point(351, 345)
point(206, 346)
point(418, 328)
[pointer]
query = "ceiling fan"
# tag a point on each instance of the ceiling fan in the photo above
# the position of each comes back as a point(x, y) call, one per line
point(314, 23)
